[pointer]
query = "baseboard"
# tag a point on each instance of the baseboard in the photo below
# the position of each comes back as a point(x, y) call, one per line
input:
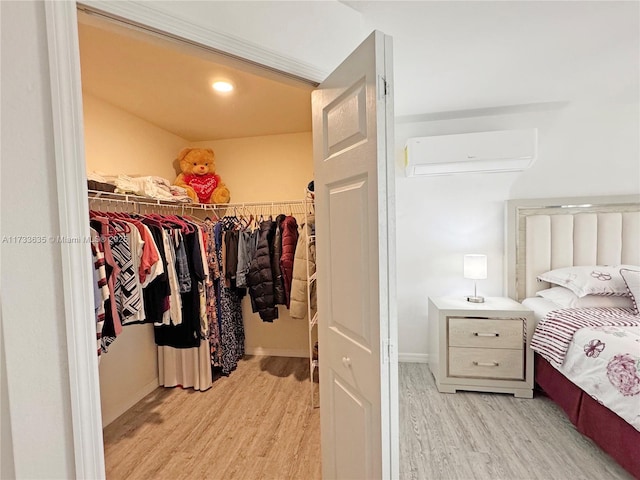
point(276, 352)
point(413, 357)
point(108, 417)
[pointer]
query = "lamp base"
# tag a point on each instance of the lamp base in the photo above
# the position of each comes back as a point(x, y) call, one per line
point(474, 299)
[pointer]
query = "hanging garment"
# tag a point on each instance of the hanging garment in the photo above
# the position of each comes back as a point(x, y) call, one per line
point(231, 240)
point(247, 244)
point(101, 289)
point(173, 315)
point(157, 291)
point(260, 277)
point(229, 314)
point(112, 326)
point(276, 254)
point(304, 256)
point(128, 298)
point(215, 346)
point(150, 263)
point(136, 248)
point(289, 228)
point(182, 267)
point(187, 333)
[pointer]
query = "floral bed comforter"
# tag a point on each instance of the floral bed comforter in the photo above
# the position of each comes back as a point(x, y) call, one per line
point(602, 354)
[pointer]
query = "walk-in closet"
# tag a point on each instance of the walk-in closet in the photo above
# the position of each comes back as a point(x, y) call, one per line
point(238, 396)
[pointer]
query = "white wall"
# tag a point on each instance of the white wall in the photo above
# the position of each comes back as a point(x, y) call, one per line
point(33, 314)
point(584, 149)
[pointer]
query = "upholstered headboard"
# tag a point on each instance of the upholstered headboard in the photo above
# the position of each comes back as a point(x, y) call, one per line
point(544, 234)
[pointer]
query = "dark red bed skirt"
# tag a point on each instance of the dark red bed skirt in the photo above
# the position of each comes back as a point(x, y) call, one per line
point(609, 431)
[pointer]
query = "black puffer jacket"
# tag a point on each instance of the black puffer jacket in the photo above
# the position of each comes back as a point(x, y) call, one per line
point(278, 282)
point(260, 276)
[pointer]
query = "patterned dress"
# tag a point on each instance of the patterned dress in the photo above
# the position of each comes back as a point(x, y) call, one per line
point(229, 315)
point(215, 343)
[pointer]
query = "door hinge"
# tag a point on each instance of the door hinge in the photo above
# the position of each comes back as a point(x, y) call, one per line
point(387, 346)
point(383, 87)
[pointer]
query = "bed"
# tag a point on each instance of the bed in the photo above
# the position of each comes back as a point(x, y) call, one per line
point(550, 234)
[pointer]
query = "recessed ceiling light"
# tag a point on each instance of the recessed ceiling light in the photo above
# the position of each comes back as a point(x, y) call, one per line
point(222, 86)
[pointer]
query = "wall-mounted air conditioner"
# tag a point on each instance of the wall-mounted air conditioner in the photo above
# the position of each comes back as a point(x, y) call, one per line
point(498, 151)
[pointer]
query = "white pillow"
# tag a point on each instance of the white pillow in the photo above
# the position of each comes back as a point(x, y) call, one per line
point(589, 280)
point(565, 298)
point(632, 280)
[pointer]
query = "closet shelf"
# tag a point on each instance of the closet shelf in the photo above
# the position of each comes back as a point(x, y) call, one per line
point(314, 321)
point(140, 200)
point(312, 278)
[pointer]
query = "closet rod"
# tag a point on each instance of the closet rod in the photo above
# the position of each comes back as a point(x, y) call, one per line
point(137, 199)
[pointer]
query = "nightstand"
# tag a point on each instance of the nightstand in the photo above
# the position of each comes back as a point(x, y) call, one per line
point(482, 347)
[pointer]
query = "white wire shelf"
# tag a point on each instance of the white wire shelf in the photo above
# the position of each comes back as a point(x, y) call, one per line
point(140, 200)
point(314, 321)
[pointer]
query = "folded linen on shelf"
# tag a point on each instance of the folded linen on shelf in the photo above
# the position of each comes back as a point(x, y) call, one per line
point(151, 186)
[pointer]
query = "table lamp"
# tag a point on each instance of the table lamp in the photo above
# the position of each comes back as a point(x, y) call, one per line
point(475, 268)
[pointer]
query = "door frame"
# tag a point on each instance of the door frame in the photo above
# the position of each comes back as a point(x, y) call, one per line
point(66, 103)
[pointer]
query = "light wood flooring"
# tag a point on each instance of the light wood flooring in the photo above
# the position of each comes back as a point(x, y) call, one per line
point(255, 424)
point(471, 435)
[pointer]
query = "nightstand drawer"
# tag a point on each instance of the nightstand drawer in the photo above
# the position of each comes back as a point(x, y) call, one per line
point(486, 363)
point(490, 333)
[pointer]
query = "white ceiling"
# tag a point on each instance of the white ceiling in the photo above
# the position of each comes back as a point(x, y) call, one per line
point(449, 56)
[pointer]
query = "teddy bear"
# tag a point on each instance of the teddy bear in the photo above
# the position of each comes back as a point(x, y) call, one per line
point(198, 176)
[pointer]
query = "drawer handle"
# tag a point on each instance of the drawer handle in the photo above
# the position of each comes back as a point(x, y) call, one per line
point(482, 334)
point(486, 364)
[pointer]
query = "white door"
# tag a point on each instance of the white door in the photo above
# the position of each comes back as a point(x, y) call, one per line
point(354, 177)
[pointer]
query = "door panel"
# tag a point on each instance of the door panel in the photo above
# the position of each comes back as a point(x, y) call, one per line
point(345, 120)
point(351, 424)
point(354, 179)
point(350, 302)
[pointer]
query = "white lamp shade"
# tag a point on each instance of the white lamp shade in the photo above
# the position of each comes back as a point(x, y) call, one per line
point(475, 267)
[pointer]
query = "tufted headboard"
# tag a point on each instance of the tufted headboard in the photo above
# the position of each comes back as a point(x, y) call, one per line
point(544, 234)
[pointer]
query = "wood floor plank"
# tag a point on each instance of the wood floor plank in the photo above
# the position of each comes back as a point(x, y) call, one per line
point(471, 435)
point(255, 424)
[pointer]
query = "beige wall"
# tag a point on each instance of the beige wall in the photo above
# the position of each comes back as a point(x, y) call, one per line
point(128, 372)
point(274, 167)
point(118, 142)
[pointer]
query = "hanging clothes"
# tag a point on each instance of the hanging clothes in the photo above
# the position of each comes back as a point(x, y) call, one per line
point(276, 253)
point(260, 277)
point(305, 257)
point(215, 345)
point(187, 333)
point(289, 228)
point(229, 313)
point(247, 245)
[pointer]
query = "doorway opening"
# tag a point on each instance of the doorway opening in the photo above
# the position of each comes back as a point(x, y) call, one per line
point(145, 97)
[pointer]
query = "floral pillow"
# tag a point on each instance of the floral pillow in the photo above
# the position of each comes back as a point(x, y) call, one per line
point(565, 298)
point(589, 280)
point(631, 278)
